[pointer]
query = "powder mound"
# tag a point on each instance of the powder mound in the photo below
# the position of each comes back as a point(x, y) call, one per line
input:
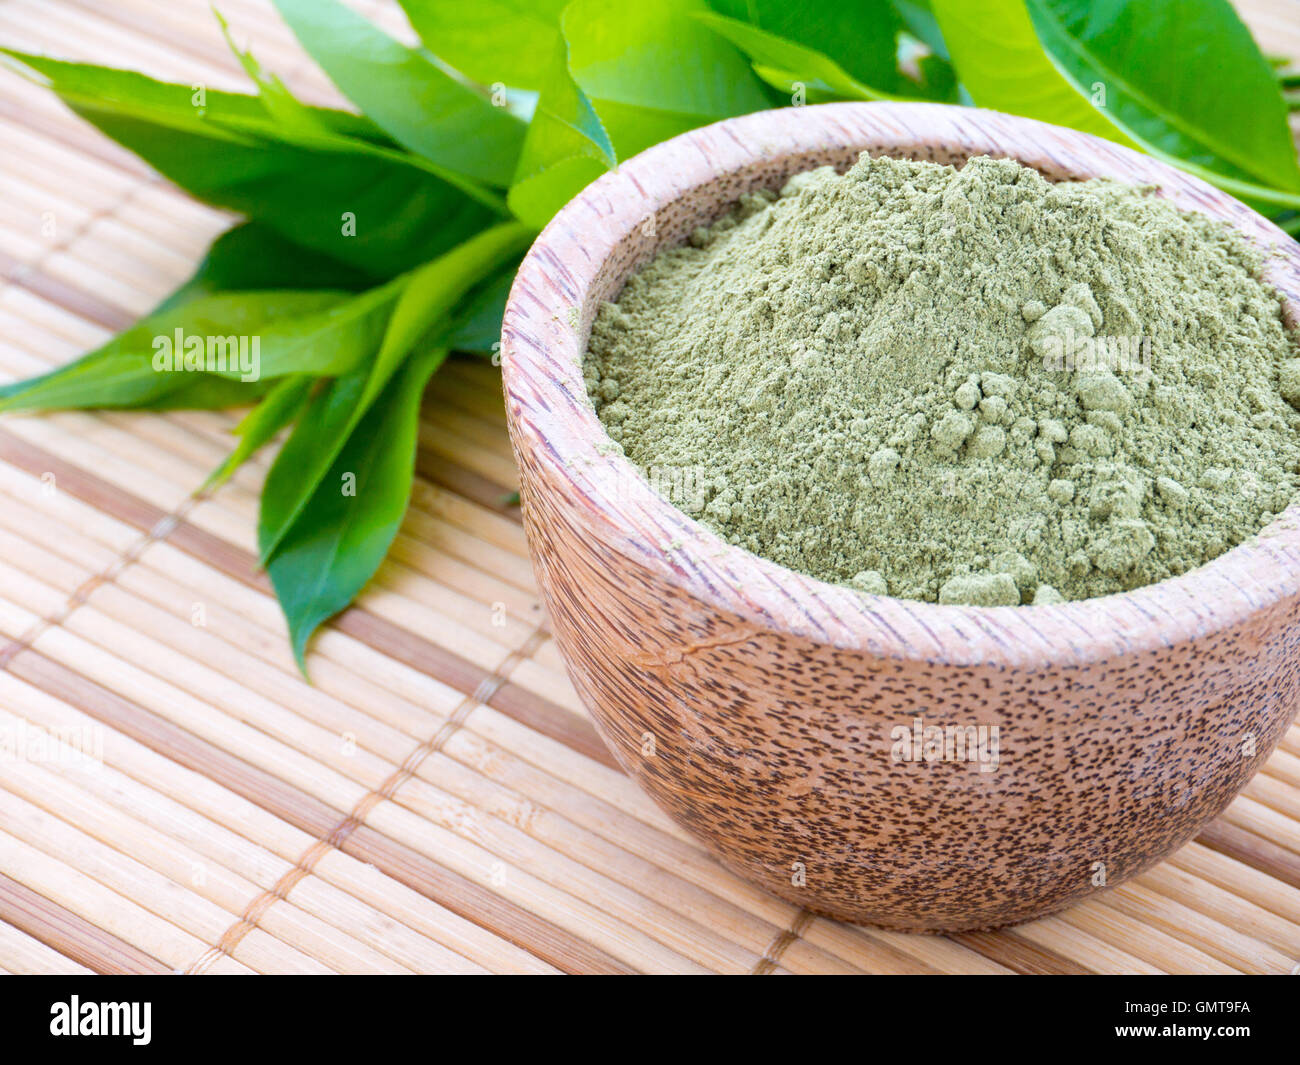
point(964, 386)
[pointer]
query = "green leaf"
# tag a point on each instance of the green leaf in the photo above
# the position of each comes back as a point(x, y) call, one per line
point(1000, 61)
point(427, 295)
point(492, 41)
point(536, 199)
point(436, 288)
point(795, 62)
point(235, 118)
point(1214, 101)
point(347, 525)
point(204, 391)
point(654, 70)
point(123, 373)
point(281, 406)
point(937, 79)
point(419, 105)
point(182, 107)
point(333, 340)
point(374, 208)
point(566, 149)
point(254, 257)
point(859, 39)
point(920, 22)
point(476, 326)
point(260, 336)
point(279, 102)
point(788, 82)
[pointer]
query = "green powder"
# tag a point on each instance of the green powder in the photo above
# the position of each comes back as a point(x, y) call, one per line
point(969, 386)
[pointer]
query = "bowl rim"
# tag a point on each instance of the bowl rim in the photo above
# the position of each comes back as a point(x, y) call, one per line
point(547, 325)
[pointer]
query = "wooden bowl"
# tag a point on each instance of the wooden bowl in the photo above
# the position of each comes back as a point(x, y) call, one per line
point(759, 707)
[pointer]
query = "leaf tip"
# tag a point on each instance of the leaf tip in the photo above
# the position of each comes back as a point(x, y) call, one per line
point(300, 635)
point(12, 59)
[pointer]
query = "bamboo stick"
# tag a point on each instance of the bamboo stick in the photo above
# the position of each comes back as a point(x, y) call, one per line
point(1097, 954)
point(1254, 816)
point(310, 772)
point(445, 444)
point(1197, 927)
point(26, 956)
point(938, 952)
point(290, 942)
point(1130, 934)
point(222, 825)
point(1240, 880)
point(291, 696)
point(864, 950)
point(53, 27)
point(801, 957)
point(1237, 912)
point(116, 913)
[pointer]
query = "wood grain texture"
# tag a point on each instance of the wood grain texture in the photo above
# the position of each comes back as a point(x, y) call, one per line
point(755, 704)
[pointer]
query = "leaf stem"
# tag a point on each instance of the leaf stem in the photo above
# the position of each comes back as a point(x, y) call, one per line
point(1245, 190)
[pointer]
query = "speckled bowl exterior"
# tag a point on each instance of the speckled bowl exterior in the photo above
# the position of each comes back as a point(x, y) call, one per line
point(766, 710)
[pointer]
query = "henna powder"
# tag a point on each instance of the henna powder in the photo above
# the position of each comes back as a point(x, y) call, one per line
point(963, 386)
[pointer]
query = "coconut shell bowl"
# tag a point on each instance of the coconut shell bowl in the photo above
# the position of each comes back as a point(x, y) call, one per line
point(763, 709)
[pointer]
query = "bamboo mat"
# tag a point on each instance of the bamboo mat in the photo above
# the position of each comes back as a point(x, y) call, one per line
point(438, 800)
